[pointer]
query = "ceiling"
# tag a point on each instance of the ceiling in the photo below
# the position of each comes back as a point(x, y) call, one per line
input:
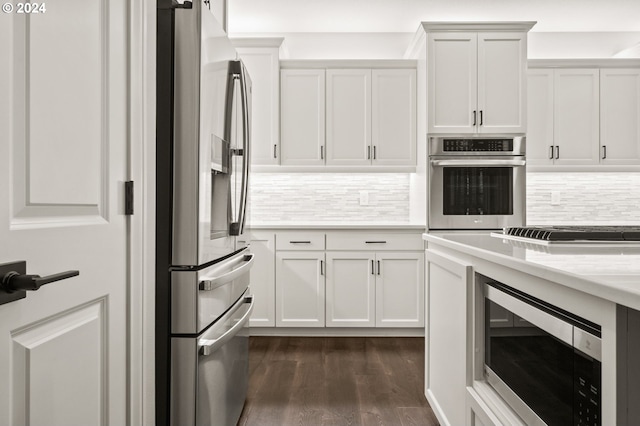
point(366, 16)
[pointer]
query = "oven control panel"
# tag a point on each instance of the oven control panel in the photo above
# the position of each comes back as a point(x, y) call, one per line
point(474, 145)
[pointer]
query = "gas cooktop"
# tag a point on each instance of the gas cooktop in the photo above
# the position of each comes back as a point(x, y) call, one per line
point(575, 233)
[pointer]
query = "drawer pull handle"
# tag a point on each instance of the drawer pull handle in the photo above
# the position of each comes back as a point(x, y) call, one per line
point(299, 242)
point(243, 265)
point(375, 242)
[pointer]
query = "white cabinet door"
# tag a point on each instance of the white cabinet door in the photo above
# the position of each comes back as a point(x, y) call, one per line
point(263, 280)
point(452, 82)
point(576, 116)
point(502, 61)
point(620, 116)
point(302, 109)
point(399, 289)
point(348, 117)
point(264, 69)
point(393, 116)
point(350, 289)
point(299, 289)
point(447, 341)
point(540, 116)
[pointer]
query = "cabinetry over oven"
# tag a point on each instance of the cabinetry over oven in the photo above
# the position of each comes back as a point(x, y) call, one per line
point(476, 182)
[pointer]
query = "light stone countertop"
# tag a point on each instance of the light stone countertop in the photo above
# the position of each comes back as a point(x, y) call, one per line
point(608, 271)
point(337, 225)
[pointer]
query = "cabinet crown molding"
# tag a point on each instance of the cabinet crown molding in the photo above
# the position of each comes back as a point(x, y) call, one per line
point(438, 26)
point(584, 63)
point(348, 63)
point(257, 41)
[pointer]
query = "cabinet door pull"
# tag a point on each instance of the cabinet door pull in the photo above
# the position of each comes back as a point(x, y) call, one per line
point(275, 151)
point(374, 152)
point(551, 152)
point(481, 119)
point(604, 152)
point(378, 267)
point(373, 268)
point(369, 152)
point(322, 267)
point(474, 117)
point(322, 152)
point(557, 152)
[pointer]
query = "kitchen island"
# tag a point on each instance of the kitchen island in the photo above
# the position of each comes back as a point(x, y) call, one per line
point(599, 282)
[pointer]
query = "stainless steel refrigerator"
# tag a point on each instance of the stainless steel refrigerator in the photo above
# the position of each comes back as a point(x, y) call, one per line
point(202, 274)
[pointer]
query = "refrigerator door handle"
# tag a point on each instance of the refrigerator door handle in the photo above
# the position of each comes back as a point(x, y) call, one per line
point(237, 227)
point(209, 346)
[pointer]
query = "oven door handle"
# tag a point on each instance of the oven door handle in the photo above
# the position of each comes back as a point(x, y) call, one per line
point(210, 283)
point(209, 346)
point(554, 326)
point(478, 163)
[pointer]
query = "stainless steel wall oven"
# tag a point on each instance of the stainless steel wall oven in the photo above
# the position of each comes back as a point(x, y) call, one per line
point(476, 182)
point(543, 361)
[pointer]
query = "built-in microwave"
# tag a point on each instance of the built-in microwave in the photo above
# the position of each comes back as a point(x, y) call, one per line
point(476, 182)
point(543, 361)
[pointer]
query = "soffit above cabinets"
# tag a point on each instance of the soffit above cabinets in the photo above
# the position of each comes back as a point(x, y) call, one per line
point(380, 16)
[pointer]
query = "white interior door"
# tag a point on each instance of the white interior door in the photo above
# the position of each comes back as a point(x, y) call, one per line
point(63, 161)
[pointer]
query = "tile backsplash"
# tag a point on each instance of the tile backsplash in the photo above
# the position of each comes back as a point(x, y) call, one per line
point(325, 197)
point(578, 198)
point(605, 198)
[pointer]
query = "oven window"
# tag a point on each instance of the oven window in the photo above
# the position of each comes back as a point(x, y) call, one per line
point(477, 190)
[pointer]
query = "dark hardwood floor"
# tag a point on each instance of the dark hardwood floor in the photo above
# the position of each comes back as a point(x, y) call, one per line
point(308, 381)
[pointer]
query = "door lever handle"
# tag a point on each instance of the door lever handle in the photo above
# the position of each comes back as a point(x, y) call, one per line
point(14, 281)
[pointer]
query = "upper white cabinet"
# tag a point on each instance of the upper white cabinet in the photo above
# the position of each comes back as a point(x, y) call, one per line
point(540, 116)
point(370, 116)
point(348, 126)
point(620, 116)
point(261, 57)
point(583, 116)
point(302, 107)
point(476, 77)
point(393, 117)
point(576, 116)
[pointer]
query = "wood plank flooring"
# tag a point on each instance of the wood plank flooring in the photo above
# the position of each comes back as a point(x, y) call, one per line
point(336, 381)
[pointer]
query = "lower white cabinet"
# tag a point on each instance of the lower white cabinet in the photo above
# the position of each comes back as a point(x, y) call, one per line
point(447, 340)
point(317, 285)
point(399, 289)
point(263, 279)
point(375, 289)
point(351, 289)
point(300, 289)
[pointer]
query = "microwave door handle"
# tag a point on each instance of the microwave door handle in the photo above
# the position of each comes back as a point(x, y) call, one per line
point(210, 283)
point(476, 163)
point(209, 346)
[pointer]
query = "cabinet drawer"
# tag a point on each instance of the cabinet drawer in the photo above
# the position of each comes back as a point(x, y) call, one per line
point(300, 241)
point(373, 241)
